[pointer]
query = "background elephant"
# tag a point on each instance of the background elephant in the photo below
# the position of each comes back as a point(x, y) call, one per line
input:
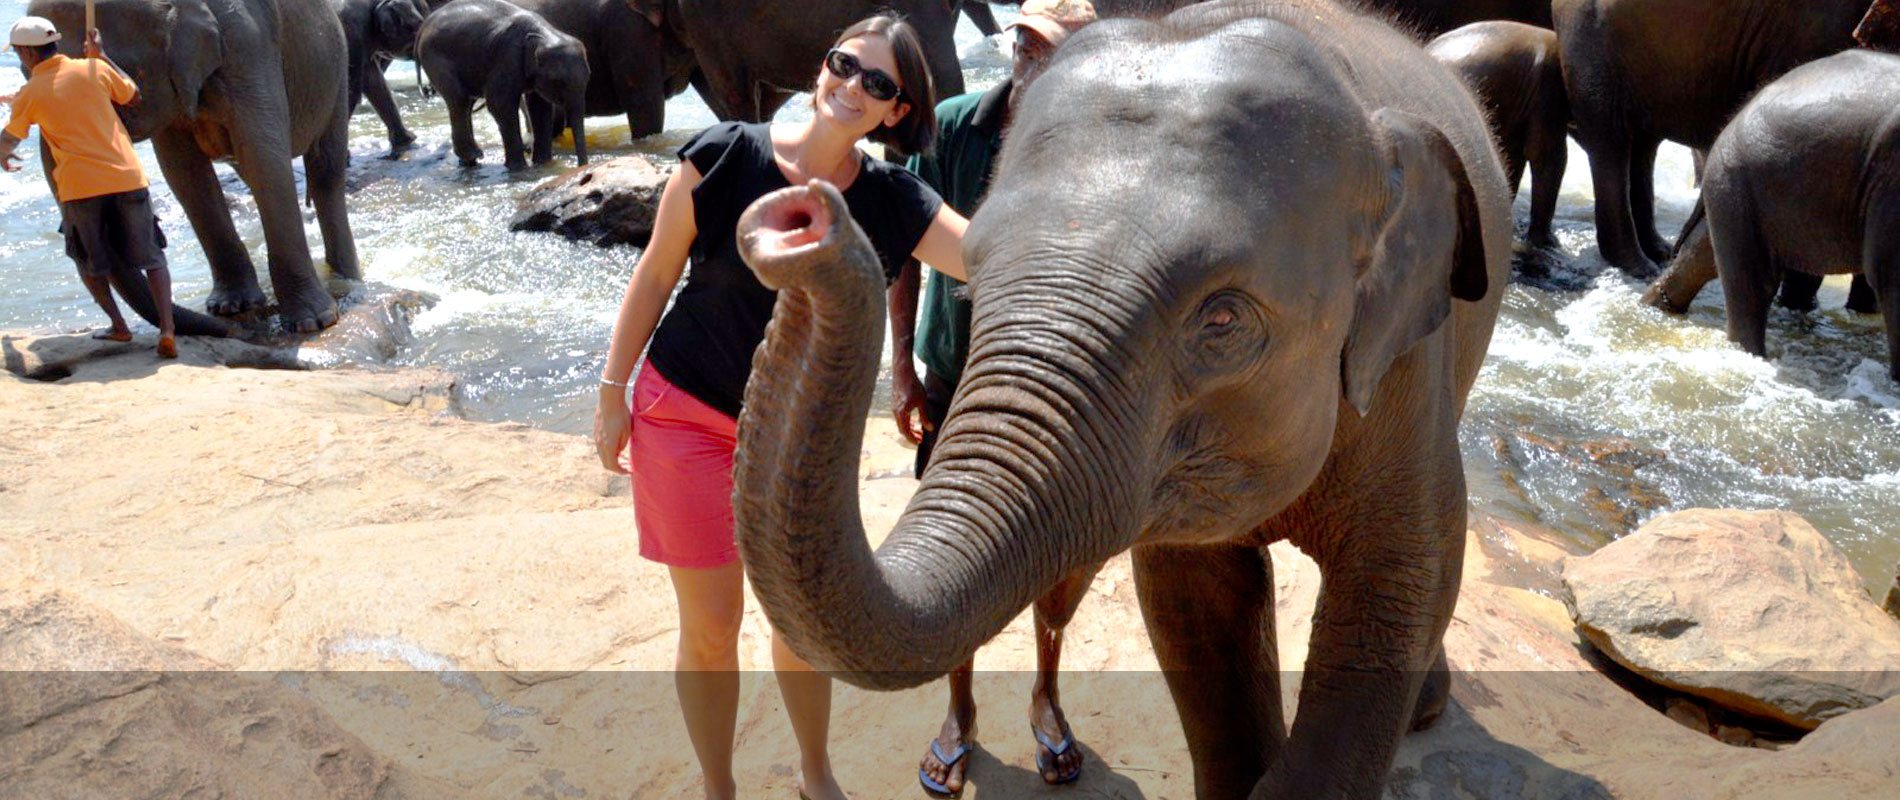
point(255, 81)
point(1433, 17)
point(1518, 75)
point(635, 61)
point(1213, 308)
point(1806, 180)
point(375, 32)
point(754, 56)
point(1643, 71)
point(499, 53)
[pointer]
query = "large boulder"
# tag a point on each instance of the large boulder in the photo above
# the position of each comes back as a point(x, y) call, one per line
point(91, 708)
point(1752, 610)
point(1893, 595)
point(607, 202)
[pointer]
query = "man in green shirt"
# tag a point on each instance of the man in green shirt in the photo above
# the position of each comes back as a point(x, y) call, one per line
point(970, 133)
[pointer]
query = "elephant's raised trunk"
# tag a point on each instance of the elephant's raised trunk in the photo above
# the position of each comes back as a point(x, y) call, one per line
point(989, 531)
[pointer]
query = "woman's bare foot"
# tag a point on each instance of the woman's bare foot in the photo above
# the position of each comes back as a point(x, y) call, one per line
point(167, 347)
point(113, 334)
point(820, 787)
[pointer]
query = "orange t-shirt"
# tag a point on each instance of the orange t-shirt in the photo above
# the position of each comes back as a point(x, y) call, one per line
point(72, 101)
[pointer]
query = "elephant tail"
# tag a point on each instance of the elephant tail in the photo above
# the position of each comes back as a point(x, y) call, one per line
point(1696, 216)
point(132, 288)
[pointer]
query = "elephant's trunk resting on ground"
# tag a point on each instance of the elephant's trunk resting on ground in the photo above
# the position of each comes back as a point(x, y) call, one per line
point(933, 592)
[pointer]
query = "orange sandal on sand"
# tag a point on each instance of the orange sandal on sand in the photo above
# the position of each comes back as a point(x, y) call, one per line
point(167, 348)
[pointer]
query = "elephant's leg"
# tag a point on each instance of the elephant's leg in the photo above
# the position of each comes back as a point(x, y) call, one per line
point(980, 15)
point(729, 93)
point(1548, 160)
point(505, 107)
point(376, 89)
point(1798, 290)
point(1378, 634)
point(325, 167)
point(541, 128)
point(1749, 273)
point(947, 757)
point(771, 99)
point(1434, 693)
point(1860, 297)
point(641, 90)
point(1616, 229)
point(1643, 199)
point(461, 125)
point(188, 171)
point(1053, 612)
point(1209, 612)
point(1880, 265)
point(260, 137)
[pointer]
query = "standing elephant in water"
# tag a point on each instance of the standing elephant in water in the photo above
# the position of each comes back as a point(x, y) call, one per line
point(256, 81)
point(754, 56)
point(1185, 343)
point(498, 53)
point(1517, 73)
point(376, 31)
point(634, 59)
point(1643, 71)
point(1806, 180)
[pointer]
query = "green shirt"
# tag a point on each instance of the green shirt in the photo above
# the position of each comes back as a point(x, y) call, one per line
point(969, 133)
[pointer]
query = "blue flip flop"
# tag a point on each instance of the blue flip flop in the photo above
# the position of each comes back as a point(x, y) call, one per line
point(950, 760)
point(1055, 749)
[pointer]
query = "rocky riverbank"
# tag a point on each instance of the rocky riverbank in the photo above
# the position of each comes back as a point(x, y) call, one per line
point(291, 583)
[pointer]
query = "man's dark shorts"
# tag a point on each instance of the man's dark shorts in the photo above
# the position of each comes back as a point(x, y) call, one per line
point(113, 230)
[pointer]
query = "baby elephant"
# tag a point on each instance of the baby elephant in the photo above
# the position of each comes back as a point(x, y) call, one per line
point(1806, 181)
point(1515, 71)
point(497, 52)
point(374, 32)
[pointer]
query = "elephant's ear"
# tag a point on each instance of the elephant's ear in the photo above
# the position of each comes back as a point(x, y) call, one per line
point(653, 10)
point(1430, 249)
point(195, 51)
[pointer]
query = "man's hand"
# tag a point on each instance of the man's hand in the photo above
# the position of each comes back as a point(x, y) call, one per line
point(11, 162)
point(9, 152)
point(907, 405)
point(93, 48)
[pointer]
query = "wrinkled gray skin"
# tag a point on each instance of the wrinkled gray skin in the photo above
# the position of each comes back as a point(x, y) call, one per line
point(634, 60)
point(375, 32)
point(256, 81)
point(1187, 344)
point(754, 56)
point(1806, 180)
point(1517, 74)
point(500, 53)
point(1643, 71)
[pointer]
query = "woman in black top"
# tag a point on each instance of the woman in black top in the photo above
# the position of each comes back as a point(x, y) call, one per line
point(680, 436)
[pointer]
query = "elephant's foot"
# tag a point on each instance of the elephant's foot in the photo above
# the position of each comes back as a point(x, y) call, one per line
point(236, 301)
point(941, 770)
point(1057, 757)
point(516, 164)
point(1861, 298)
point(308, 311)
point(469, 156)
point(1656, 249)
point(400, 144)
point(1641, 268)
point(1433, 695)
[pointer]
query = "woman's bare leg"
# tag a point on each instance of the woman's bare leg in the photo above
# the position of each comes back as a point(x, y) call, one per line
point(711, 602)
point(808, 702)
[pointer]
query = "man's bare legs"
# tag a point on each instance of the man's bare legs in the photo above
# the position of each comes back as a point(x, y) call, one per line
point(712, 605)
point(101, 292)
point(160, 280)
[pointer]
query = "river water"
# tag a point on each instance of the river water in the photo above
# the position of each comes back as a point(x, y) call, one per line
point(1593, 412)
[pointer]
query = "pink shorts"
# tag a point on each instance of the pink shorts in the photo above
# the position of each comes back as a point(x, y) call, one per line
point(680, 454)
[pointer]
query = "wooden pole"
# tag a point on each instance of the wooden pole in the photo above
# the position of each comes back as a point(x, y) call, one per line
point(90, 27)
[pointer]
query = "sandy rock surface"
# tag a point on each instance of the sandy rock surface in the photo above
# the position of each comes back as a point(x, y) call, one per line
point(1752, 610)
point(606, 202)
point(465, 601)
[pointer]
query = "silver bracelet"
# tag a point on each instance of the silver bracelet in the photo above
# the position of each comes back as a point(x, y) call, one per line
point(605, 382)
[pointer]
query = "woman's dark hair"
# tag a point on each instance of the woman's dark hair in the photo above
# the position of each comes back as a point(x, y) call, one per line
point(918, 129)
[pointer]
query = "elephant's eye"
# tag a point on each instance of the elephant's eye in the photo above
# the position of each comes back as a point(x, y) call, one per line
point(1229, 332)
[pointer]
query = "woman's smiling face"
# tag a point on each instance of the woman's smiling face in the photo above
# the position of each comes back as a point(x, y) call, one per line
point(844, 102)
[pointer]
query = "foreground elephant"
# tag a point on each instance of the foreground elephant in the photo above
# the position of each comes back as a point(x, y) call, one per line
point(1806, 180)
point(256, 81)
point(754, 56)
point(1517, 73)
point(1213, 308)
point(374, 32)
point(634, 60)
point(1643, 71)
point(500, 53)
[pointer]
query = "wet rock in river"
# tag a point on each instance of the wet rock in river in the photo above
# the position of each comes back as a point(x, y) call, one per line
point(1753, 611)
point(1893, 595)
point(607, 202)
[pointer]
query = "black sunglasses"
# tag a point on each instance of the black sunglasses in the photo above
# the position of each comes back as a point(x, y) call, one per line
point(876, 83)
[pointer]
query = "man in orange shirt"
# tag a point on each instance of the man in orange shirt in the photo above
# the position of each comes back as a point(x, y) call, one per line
point(102, 190)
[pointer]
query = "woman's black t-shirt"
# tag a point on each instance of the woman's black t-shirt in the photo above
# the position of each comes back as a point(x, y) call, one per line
point(704, 343)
